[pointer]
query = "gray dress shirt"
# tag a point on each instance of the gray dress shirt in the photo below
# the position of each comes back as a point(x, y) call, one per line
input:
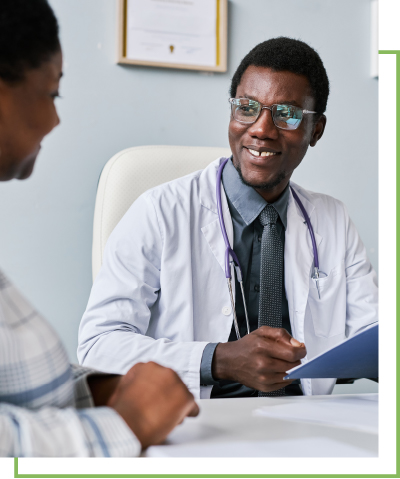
point(245, 204)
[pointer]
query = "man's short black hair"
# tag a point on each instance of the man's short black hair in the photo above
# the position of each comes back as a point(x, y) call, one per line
point(288, 54)
point(28, 36)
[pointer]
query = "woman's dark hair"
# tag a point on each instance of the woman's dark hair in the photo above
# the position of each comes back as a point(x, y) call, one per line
point(28, 36)
point(288, 54)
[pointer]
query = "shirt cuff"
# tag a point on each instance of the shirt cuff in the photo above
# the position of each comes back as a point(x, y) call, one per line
point(83, 395)
point(107, 434)
point(206, 378)
point(82, 392)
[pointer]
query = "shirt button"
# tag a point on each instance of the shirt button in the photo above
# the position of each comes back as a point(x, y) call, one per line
point(226, 310)
point(260, 238)
point(257, 288)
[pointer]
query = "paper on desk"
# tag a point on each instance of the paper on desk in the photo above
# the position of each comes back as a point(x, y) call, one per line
point(356, 413)
point(289, 447)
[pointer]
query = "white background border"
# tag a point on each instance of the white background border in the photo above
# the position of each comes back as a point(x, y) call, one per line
point(389, 39)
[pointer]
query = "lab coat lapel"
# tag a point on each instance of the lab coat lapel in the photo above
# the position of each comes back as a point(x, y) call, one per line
point(298, 260)
point(212, 231)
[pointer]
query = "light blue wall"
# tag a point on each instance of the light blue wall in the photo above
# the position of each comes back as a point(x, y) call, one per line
point(46, 222)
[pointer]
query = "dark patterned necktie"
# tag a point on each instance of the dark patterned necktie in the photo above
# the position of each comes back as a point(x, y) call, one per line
point(271, 276)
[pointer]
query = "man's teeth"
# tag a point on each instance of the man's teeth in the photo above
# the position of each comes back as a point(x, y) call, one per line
point(261, 153)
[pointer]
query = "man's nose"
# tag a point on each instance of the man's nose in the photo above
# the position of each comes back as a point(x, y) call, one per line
point(264, 127)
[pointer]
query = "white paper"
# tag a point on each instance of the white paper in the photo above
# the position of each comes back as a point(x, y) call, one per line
point(172, 31)
point(338, 411)
point(290, 447)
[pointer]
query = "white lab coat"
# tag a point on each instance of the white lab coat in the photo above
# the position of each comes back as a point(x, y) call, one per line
point(161, 293)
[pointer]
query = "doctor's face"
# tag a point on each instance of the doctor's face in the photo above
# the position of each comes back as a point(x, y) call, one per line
point(285, 149)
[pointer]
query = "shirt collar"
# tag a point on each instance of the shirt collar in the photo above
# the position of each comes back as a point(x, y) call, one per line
point(246, 200)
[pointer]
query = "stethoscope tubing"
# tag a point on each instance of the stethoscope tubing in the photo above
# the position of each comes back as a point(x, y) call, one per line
point(229, 253)
point(310, 228)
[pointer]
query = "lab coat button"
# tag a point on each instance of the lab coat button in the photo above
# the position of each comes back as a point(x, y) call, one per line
point(226, 310)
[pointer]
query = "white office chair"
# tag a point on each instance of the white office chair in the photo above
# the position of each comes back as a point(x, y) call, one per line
point(130, 173)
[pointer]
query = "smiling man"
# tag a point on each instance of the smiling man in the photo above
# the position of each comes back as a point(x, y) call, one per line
point(161, 293)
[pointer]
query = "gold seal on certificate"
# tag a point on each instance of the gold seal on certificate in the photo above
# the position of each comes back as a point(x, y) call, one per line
point(188, 34)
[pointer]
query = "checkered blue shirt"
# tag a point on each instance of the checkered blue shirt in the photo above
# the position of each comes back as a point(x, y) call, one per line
point(46, 408)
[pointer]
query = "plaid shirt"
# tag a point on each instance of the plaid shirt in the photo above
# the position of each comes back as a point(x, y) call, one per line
point(46, 408)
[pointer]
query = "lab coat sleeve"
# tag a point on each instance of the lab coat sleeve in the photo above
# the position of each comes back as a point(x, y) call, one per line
point(55, 432)
point(361, 283)
point(112, 335)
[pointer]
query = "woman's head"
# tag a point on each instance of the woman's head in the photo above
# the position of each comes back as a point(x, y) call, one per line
point(30, 70)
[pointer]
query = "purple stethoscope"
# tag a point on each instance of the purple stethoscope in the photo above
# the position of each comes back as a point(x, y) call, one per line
point(232, 259)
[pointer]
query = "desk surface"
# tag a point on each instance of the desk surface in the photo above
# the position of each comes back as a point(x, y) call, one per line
point(237, 428)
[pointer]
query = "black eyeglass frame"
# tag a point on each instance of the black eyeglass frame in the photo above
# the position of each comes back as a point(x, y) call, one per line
point(233, 103)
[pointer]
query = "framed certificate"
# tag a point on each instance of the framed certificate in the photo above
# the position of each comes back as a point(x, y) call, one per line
point(189, 34)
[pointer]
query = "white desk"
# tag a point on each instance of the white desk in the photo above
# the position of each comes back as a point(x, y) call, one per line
point(231, 428)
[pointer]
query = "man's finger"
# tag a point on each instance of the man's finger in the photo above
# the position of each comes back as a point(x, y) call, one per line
point(194, 411)
point(279, 334)
point(285, 352)
point(280, 366)
point(297, 344)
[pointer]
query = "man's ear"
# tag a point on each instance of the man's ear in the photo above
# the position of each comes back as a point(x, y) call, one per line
point(319, 129)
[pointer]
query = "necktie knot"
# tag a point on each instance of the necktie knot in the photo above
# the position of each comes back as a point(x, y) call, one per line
point(268, 215)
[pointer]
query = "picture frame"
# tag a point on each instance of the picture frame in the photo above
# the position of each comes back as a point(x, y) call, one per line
point(125, 41)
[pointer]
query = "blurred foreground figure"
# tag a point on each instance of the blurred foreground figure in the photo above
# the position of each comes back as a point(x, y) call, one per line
point(47, 406)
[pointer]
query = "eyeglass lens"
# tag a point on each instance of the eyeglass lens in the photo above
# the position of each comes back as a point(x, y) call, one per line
point(287, 117)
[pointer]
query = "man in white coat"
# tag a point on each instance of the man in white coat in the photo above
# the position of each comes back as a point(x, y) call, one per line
point(161, 293)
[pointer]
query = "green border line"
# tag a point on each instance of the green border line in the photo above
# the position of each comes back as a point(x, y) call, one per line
point(305, 476)
point(172, 476)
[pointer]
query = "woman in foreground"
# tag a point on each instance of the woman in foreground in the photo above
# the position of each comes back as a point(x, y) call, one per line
point(47, 406)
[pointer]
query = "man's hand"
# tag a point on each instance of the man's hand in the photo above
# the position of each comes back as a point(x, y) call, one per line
point(259, 360)
point(152, 400)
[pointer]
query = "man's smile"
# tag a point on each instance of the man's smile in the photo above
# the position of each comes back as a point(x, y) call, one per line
point(260, 156)
point(263, 152)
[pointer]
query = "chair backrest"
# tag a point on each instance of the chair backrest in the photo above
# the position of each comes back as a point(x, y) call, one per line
point(130, 173)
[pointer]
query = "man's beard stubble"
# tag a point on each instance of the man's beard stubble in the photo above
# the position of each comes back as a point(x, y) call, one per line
point(262, 186)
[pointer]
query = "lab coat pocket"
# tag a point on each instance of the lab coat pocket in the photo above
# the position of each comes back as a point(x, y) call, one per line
point(329, 312)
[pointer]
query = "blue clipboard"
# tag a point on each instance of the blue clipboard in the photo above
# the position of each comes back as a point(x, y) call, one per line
point(356, 357)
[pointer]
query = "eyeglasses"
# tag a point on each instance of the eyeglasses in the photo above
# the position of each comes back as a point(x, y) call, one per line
point(286, 117)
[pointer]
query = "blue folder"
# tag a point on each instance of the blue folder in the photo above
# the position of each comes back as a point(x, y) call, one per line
point(356, 357)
